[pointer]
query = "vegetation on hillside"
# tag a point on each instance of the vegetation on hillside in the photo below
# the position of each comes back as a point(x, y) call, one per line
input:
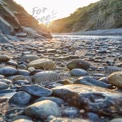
point(105, 14)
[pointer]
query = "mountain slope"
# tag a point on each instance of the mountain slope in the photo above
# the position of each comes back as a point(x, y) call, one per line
point(105, 14)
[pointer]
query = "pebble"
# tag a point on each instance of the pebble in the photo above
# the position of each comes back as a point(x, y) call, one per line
point(78, 72)
point(3, 86)
point(8, 71)
point(115, 79)
point(43, 64)
point(36, 90)
point(78, 63)
point(21, 98)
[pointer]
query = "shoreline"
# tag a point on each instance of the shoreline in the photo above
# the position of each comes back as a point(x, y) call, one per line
point(106, 32)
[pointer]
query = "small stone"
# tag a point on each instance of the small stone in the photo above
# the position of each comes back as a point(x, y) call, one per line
point(43, 109)
point(78, 72)
point(3, 86)
point(115, 79)
point(28, 58)
point(36, 90)
point(22, 66)
point(78, 63)
point(46, 76)
point(70, 112)
point(43, 64)
point(87, 80)
point(4, 58)
point(8, 71)
point(21, 82)
point(20, 98)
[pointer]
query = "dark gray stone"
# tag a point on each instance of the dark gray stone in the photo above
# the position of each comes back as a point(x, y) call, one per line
point(8, 71)
point(87, 80)
point(78, 72)
point(37, 90)
point(20, 98)
point(78, 63)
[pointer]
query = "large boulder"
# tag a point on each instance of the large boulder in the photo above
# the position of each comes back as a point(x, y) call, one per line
point(91, 98)
point(115, 79)
point(43, 109)
point(78, 63)
point(42, 64)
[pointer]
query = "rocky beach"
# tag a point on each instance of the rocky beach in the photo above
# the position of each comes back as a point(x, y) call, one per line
point(70, 77)
point(61, 79)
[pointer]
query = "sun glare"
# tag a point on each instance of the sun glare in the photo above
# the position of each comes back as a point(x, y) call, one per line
point(47, 10)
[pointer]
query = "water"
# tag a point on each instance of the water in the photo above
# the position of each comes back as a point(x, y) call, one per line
point(80, 37)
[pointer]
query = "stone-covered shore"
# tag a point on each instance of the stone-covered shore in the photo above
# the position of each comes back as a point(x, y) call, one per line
point(60, 80)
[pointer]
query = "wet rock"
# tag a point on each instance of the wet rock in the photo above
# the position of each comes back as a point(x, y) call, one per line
point(87, 80)
point(42, 64)
point(57, 100)
point(4, 58)
point(8, 71)
point(3, 86)
point(91, 98)
point(78, 63)
point(115, 79)
point(36, 90)
point(116, 120)
point(46, 76)
point(43, 109)
point(78, 72)
point(28, 58)
point(20, 98)
point(3, 39)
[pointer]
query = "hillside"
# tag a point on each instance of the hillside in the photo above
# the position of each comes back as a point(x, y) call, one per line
point(13, 18)
point(105, 14)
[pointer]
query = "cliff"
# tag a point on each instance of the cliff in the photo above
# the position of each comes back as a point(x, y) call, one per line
point(13, 18)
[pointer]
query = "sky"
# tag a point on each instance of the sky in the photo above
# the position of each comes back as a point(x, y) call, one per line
point(48, 10)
